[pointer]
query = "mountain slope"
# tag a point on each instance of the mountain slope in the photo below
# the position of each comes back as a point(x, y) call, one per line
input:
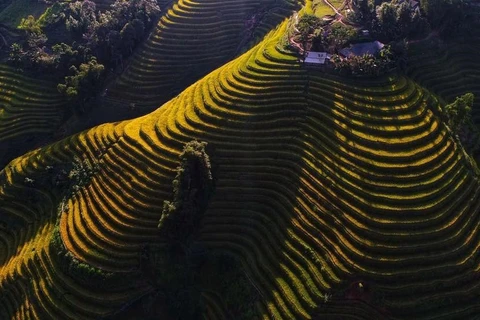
point(326, 189)
point(191, 39)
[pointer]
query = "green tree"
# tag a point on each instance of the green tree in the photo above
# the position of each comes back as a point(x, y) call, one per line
point(192, 188)
point(307, 26)
point(447, 16)
point(363, 11)
point(387, 19)
point(341, 35)
point(65, 55)
point(459, 111)
point(17, 55)
point(30, 25)
point(83, 83)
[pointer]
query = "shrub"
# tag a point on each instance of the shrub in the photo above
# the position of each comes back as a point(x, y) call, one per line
point(340, 35)
point(459, 111)
point(83, 83)
point(192, 189)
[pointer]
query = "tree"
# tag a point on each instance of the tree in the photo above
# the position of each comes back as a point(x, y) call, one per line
point(65, 55)
point(17, 55)
point(84, 81)
point(30, 25)
point(307, 25)
point(459, 111)
point(446, 16)
point(362, 11)
point(128, 37)
point(192, 189)
point(81, 16)
point(396, 21)
point(340, 35)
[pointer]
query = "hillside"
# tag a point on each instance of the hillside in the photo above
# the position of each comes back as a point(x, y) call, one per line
point(326, 189)
point(29, 109)
point(449, 68)
point(191, 39)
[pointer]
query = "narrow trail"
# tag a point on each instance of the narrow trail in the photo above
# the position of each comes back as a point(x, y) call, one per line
point(333, 8)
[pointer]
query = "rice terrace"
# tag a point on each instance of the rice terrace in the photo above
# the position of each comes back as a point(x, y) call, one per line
point(239, 159)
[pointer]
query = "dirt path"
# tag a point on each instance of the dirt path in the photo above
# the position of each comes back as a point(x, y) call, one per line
point(333, 8)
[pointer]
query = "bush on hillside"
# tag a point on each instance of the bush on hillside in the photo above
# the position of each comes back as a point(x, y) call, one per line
point(339, 36)
point(394, 21)
point(459, 111)
point(83, 83)
point(192, 189)
point(447, 16)
point(362, 12)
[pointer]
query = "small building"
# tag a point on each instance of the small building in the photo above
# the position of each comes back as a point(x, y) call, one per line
point(360, 49)
point(314, 57)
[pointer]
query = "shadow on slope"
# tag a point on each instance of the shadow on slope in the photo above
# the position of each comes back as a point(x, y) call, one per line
point(322, 185)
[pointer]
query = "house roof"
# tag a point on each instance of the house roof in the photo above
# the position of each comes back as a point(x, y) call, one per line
point(360, 49)
point(316, 57)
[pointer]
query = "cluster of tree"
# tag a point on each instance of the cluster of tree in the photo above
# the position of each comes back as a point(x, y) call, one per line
point(450, 17)
point(192, 189)
point(338, 36)
point(82, 82)
point(397, 19)
point(312, 29)
point(308, 26)
point(109, 36)
point(459, 111)
point(177, 269)
point(113, 34)
point(389, 20)
point(365, 65)
point(91, 41)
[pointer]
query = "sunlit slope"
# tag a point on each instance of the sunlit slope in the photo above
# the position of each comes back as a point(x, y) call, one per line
point(191, 39)
point(320, 183)
point(27, 106)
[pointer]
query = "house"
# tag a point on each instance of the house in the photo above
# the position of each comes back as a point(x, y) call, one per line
point(360, 49)
point(314, 57)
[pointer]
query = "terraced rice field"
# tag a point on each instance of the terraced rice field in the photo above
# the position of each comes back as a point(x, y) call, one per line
point(191, 39)
point(450, 71)
point(27, 106)
point(322, 183)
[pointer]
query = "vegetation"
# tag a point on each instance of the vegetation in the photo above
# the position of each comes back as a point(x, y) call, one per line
point(335, 197)
point(459, 111)
point(192, 189)
point(396, 21)
point(94, 40)
point(83, 82)
point(339, 36)
point(309, 26)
